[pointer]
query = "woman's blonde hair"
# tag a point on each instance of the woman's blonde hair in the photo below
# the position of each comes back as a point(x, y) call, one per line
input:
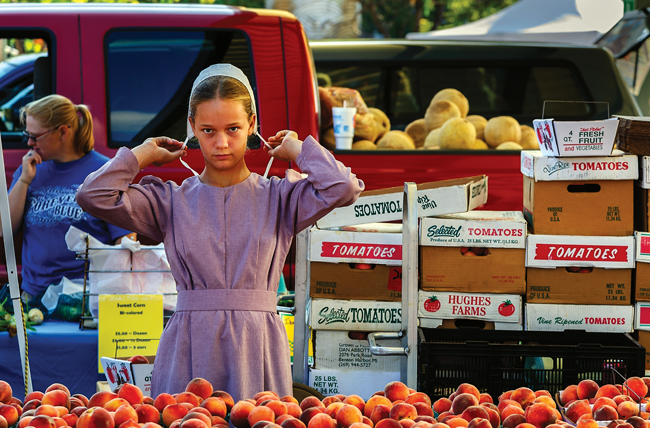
point(222, 87)
point(56, 110)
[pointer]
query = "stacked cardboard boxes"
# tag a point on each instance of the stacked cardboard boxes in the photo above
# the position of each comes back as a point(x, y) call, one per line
point(580, 250)
point(472, 268)
point(356, 282)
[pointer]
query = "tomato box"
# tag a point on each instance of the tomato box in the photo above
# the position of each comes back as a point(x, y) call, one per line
point(355, 315)
point(335, 246)
point(120, 371)
point(356, 281)
point(641, 196)
point(642, 271)
point(579, 196)
point(349, 350)
point(350, 382)
point(592, 318)
point(474, 252)
point(552, 251)
point(435, 198)
point(644, 340)
point(502, 308)
point(642, 316)
point(576, 138)
point(579, 285)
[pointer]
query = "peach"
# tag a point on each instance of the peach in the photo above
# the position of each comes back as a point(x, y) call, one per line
point(198, 415)
point(31, 404)
point(356, 401)
point(61, 410)
point(43, 421)
point(311, 401)
point(5, 392)
point(507, 402)
point(280, 419)
point(200, 387)
point(505, 396)
point(56, 397)
point(100, 398)
point(540, 415)
point(59, 422)
point(333, 409)
point(463, 401)
point(627, 409)
point(636, 422)
point(96, 417)
point(457, 422)
point(437, 425)
point(75, 402)
point(78, 410)
point(163, 400)
point(513, 420)
point(131, 393)
point(47, 409)
point(188, 397)
point(81, 397)
point(379, 412)
point(511, 409)
point(568, 394)
point(526, 425)
point(494, 417)
point(10, 413)
point(227, 398)
point(620, 398)
point(428, 419)
point(330, 399)
point(34, 395)
point(541, 392)
point(442, 405)
point(310, 412)
point(605, 413)
point(368, 422)
point(636, 388)
point(489, 406)
point(469, 389)
point(418, 397)
point(407, 423)
point(125, 413)
point(524, 396)
point(401, 411)
point(215, 406)
point(378, 399)
point(396, 390)
point(474, 412)
point(188, 423)
point(218, 420)
point(115, 403)
point(479, 423)
point(70, 419)
point(321, 420)
point(423, 409)
point(484, 397)
point(388, 423)
point(58, 386)
point(604, 401)
point(363, 425)
point(586, 423)
point(578, 408)
point(624, 425)
point(442, 416)
point(348, 414)
point(546, 400)
point(292, 423)
point(291, 399)
point(587, 389)
point(22, 422)
point(174, 412)
point(293, 409)
point(148, 413)
point(608, 390)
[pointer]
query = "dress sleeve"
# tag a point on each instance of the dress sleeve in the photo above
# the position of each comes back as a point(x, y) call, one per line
point(329, 184)
point(109, 195)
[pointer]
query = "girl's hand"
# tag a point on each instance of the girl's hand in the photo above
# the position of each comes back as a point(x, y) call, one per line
point(158, 151)
point(286, 146)
point(30, 160)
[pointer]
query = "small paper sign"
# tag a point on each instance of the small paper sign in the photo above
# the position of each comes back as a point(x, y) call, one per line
point(129, 324)
point(288, 321)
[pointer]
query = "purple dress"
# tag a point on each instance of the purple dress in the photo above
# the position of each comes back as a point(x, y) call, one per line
point(226, 247)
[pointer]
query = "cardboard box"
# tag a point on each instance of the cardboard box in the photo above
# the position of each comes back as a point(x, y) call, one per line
point(120, 371)
point(644, 340)
point(619, 166)
point(349, 350)
point(597, 318)
point(503, 308)
point(594, 286)
point(334, 246)
point(461, 323)
point(595, 207)
point(436, 198)
point(348, 281)
point(492, 229)
point(642, 271)
point(501, 270)
point(641, 209)
point(642, 316)
point(576, 138)
point(356, 315)
point(644, 172)
point(551, 251)
point(348, 382)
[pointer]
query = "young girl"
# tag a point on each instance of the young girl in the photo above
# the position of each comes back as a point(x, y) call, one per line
point(226, 232)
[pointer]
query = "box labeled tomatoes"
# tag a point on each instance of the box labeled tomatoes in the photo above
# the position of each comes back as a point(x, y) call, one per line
point(120, 371)
point(355, 315)
point(360, 281)
point(576, 138)
point(618, 166)
point(349, 350)
point(552, 251)
point(596, 318)
point(435, 198)
point(337, 246)
point(503, 308)
point(348, 382)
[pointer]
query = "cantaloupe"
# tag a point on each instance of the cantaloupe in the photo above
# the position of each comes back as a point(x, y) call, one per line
point(528, 138)
point(438, 113)
point(457, 133)
point(509, 145)
point(501, 129)
point(432, 139)
point(396, 140)
point(327, 139)
point(455, 96)
point(417, 130)
point(479, 123)
point(364, 145)
point(365, 127)
point(479, 145)
point(382, 121)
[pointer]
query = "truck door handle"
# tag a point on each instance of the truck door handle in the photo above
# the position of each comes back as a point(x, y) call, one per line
point(386, 350)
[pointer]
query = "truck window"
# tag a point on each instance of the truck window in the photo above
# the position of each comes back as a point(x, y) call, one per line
point(19, 56)
point(150, 75)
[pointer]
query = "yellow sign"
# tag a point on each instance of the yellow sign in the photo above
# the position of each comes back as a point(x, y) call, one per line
point(129, 324)
point(287, 319)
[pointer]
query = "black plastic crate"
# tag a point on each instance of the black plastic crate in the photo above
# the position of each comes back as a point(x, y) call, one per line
point(499, 361)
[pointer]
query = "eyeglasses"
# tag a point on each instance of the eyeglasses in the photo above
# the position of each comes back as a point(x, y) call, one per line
point(29, 136)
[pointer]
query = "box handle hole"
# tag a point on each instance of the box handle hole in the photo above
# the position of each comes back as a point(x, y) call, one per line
point(474, 251)
point(578, 269)
point(362, 266)
point(358, 335)
point(583, 188)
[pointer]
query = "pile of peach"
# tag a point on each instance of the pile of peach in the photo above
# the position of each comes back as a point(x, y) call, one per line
point(587, 403)
point(197, 407)
point(520, 408)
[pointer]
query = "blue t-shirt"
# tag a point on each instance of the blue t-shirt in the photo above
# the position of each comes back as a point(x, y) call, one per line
point(50, 210)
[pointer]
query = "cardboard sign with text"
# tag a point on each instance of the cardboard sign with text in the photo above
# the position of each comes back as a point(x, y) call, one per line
point(551, 251)
point(596, 318)
point(619, 166)
point(357, 315)
point(350, 382)
point(346, 350)
point(576, 138)
point(504, 308)
point(119, 371)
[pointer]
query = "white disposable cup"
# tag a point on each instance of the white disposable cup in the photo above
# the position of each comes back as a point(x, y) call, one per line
point(343, 118)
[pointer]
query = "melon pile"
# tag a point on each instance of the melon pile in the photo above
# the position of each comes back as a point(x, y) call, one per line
point(447, 125)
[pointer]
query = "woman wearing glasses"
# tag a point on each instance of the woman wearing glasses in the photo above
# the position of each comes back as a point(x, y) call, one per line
point(42, 194)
